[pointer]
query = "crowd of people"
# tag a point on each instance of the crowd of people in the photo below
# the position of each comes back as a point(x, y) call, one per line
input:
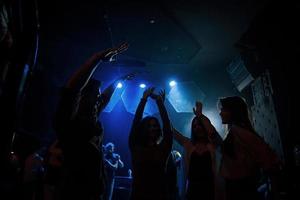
point(78, 166)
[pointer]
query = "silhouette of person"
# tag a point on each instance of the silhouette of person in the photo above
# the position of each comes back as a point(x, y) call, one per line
point(112, 162)
point(244, 152)
point(199, 161)
point(79, 130)
point(150, 148)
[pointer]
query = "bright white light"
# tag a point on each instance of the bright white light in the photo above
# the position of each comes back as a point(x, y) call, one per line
point(119, 85)
point(142, 85)
point(172, 83)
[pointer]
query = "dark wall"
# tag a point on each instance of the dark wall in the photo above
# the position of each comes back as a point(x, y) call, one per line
point(270, 43)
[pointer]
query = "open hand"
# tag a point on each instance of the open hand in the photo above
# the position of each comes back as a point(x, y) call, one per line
point(108, 54)
point(148, 92)
point(160, 96)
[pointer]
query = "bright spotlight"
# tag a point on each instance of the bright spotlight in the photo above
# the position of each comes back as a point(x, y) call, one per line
point(119, 85)
point(142, 85)
point(172, 83)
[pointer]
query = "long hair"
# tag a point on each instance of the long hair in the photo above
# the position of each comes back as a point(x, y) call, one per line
point(143, 129)
point(194, 138)
point(238, 109)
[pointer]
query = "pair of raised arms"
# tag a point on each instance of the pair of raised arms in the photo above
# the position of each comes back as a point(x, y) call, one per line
point(150, 93)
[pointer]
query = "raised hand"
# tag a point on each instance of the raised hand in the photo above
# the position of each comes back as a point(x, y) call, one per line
point(160, 96)
point(108, 54)
point(148, 92)
point(198, 109)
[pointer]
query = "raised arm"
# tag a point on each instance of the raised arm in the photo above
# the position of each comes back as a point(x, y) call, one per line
point(81, 77)
point(108, 92)
point(213, 135)
point(110, 165)
point(182, 140)
point(167, 130)
point(162, 110)
point(138, 116)
point(119, 161)
point(71, 94)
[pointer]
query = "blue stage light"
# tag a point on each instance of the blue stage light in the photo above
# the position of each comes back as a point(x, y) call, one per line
point(142, 85)
point(183, 96)
point(172, 83)
point(119, 85)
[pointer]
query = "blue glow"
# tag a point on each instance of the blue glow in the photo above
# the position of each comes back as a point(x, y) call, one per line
point(119, 85)
point(215, 119)
point(142, 85)
point(172, 83)
point(132, 96)
point(115, 98)
point(183, 96)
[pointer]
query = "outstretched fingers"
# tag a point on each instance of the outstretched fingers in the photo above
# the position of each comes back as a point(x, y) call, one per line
point(109, 54)
point(148, 92)
point(122, 47)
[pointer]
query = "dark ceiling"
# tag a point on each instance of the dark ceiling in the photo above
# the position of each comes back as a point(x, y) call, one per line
point(189, 40)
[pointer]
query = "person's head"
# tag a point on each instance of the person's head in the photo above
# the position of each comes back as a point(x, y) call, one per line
point(90, 100)
point(198, 133)
point(234, 110)
point(109, 148)
point(150, 129)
